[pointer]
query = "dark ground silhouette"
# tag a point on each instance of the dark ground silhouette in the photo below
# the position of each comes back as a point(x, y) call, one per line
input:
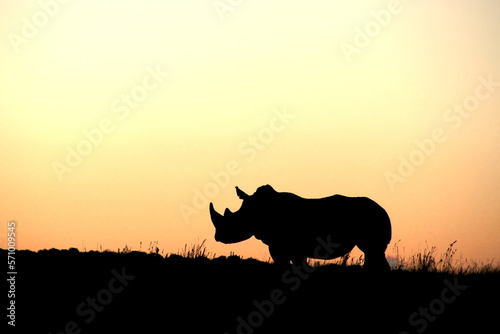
point(74, 292)
point(297, 228)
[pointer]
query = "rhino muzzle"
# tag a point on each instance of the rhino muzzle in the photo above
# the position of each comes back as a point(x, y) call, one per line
point(227, 230)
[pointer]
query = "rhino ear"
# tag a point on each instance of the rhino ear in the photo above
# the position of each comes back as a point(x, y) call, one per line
point(241, 194)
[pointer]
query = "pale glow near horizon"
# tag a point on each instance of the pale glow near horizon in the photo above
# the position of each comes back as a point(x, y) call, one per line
point(351, 121)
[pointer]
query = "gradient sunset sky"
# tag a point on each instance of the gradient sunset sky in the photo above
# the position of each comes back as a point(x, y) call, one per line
point(121, 120)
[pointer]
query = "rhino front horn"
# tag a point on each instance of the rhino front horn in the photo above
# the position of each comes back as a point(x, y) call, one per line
point(215, 216)
point(241, 194)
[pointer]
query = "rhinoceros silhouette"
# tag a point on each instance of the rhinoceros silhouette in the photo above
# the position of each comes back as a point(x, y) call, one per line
point(297, 228)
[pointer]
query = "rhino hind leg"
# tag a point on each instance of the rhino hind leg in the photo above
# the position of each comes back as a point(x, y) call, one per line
point(375, 257)
point(279, 257)
point(376, 262)
point(300, 261)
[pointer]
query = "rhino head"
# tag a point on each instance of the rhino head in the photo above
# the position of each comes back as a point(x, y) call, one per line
point(240, 225)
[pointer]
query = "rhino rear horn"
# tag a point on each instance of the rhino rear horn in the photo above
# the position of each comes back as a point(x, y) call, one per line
point(241, 194)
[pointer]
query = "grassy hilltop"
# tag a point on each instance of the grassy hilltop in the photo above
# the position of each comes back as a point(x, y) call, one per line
point(67, 291)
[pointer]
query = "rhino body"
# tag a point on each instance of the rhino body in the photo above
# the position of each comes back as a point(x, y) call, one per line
point(297, 228)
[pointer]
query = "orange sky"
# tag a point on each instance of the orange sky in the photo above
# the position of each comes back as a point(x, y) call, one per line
point(116, 115)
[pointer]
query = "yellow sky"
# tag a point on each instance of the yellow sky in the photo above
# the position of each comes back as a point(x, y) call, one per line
point(116, 115)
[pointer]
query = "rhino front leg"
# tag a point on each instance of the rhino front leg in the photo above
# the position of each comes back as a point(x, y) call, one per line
point(279, 257)
point(300, 261)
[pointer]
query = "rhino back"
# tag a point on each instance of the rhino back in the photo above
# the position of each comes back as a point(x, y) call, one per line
point(293, 220)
